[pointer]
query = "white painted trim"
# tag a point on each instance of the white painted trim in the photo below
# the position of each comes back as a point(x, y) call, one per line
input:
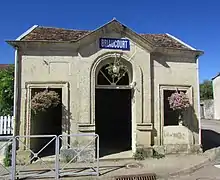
point(16, 69)
point(15, 90)
point(26, 32)
point(180, 41)
point(215, 76)
point(198, 93)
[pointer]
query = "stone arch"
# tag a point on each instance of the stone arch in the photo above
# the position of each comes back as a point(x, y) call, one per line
point(136, 85)
point(114, 71)
point(94, 69)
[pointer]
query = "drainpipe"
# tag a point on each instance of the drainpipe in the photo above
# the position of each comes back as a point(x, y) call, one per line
point(15, 90)
point(199, 116)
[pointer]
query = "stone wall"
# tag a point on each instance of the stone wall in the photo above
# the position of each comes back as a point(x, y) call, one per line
point(207, 109)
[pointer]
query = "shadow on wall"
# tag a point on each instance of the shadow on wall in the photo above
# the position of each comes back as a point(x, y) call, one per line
point(210, 139)
point(191, 121)
point(67, 116)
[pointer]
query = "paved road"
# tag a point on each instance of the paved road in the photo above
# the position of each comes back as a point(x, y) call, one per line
point(210, 139)
point(209, 172)
point(210, 134)
point(211, 124)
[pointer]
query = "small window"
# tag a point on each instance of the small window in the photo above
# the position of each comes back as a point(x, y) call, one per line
point(110, 74)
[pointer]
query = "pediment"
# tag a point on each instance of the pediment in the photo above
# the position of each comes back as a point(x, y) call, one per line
point(114, 31)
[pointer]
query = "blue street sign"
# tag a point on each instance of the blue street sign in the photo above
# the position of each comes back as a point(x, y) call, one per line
point(113, 43)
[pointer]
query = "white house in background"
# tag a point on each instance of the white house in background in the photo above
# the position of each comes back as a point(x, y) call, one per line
point(216, 95)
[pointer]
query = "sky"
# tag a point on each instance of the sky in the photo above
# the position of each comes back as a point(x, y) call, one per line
point(196, 22)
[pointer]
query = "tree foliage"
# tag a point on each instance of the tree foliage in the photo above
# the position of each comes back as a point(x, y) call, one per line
point(206, 90)
point(6, 90)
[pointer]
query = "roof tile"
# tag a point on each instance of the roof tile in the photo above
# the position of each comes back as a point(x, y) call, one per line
point(163, 40)
point(60, 34)
point(4, 66)
point(56, 34)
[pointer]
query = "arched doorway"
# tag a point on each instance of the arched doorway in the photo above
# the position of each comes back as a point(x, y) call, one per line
point(113, 105)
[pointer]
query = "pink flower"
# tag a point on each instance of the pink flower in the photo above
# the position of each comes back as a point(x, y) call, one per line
point(179, 100)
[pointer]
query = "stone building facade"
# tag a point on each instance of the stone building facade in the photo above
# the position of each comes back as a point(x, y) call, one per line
point(72, 60)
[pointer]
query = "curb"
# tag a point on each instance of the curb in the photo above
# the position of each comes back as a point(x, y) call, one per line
point(211, 156)
point(214, 153)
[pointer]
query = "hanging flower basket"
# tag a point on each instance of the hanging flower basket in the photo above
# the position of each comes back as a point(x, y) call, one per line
point(116, 69)
point(44, 100)
point(179, 102)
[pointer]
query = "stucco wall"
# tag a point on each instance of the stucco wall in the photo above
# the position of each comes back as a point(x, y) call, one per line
point(169, 72)
point(48, 66)
point(75, 66)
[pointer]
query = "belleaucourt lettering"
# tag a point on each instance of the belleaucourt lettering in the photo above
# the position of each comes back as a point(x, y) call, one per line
point(110, 43)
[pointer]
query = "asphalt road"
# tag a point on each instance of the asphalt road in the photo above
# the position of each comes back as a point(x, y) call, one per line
point(210, 139)
point(209, 172)
point(211, 125)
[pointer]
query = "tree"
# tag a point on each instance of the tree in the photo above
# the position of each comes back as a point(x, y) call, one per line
point(6, 90)
point(206, 90)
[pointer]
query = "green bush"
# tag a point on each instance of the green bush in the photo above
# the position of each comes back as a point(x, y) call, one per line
point(7, 159)
point(140, 154)
point(6, 90)
point(157, 155)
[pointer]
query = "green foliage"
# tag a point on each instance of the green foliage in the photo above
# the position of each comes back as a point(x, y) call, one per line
point(143, 153)
point(139, 154)
point(206, 90)
point(7, 159)
point(158, 155)
point(6, 90)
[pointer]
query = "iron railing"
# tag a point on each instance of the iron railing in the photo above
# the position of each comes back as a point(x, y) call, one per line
point(41, 156)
